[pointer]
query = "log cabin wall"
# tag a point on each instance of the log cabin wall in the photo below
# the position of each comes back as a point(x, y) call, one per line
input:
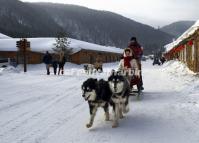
point(196, 44)
point(83, 56)
point(88, 56)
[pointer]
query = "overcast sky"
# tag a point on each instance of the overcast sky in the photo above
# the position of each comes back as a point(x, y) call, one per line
point(151, 12)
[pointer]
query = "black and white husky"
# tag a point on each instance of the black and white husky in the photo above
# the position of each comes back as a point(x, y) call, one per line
point(120, 96)
point(98, 94)
point(89, 68)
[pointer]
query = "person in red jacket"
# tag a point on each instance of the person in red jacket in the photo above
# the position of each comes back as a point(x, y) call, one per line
point(138, 52)
point(136, 48)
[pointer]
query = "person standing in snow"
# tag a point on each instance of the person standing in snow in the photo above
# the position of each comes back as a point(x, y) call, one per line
point(62, 61)
point(162, 59)
point(138, 52)
point(47, 59)
point(55, 65)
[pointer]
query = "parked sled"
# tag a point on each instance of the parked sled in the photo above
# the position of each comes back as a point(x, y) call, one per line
point(98, 66)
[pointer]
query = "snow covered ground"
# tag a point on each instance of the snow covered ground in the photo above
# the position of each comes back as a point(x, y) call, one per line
point(36, 108)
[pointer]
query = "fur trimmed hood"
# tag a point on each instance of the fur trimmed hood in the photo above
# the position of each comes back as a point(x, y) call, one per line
point(131, 52)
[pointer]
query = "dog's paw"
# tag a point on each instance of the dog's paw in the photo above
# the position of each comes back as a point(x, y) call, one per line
point(121, 117)
point(88, 125)
point(107, 118)
point(115, 125)
point(126, 110)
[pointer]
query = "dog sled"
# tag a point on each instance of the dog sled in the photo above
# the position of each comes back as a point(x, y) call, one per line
point(135, 85)
point(98, 66)
point(93, 68)
point(134, 82)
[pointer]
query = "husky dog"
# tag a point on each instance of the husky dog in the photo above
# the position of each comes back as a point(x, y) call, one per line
point(98, 94)
point(120, 89)
point(89, 68)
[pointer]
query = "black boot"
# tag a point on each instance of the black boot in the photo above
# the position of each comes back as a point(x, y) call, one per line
point(48, 72)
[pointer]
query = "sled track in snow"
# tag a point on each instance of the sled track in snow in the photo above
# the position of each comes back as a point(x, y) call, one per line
point(31, 117)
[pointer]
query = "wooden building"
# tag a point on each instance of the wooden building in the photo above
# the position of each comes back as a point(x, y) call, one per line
point(85, 53)
point(186, 48)
point(32, 57)
point(91, 56)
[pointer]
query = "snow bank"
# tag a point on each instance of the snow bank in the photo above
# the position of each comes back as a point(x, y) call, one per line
point(179, 72)
point(9, 69)
point(2, 36)
point(178, 68)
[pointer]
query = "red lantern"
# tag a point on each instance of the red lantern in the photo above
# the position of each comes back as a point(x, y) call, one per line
point(182, 47)
point(178, 49)
point(190, 43)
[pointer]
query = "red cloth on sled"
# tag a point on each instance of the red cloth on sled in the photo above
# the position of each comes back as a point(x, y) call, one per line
point(135, 80)
point(127, 62)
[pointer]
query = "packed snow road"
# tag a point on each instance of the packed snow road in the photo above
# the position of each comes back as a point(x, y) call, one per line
point(36, 108)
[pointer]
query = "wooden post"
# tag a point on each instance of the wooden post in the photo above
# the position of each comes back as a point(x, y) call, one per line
point(23, 46)
point(24, 54)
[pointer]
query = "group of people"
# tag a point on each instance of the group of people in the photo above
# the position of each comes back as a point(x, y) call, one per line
point(54, 62)
point(158, 61)
point(130, 63)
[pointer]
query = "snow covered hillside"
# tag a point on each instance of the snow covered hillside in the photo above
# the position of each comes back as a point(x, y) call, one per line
point(36, 108)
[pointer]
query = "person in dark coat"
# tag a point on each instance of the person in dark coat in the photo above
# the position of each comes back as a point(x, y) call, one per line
point(47, 59)
point(162, 59)
point(138, 52)
point(136, 48)
point(55, 65)
point(62, 61)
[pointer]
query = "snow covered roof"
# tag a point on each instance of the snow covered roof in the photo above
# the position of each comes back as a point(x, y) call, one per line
point(185, 35)
point(2, 36)
point(46, 44)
